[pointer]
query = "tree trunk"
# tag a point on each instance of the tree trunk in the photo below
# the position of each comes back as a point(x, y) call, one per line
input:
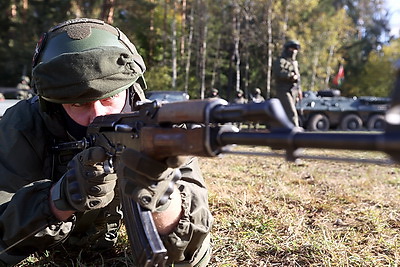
point(24, 10)
point(183, 28)
point(285, 20)
point(216, 62)
point(314, 69)
point(165, 30)
point(203, 62)
point(269, 48)
point(107, 13)
point(247, 60)
point(236, 36)
point(76, 9)
point(328, 66)
point(202, 42)
point(151, 36)
point(174, 49)
point(189, 51)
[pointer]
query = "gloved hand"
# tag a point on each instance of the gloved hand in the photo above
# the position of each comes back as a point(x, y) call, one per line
point(293, 77)
point(85, 186)
point(148, 181)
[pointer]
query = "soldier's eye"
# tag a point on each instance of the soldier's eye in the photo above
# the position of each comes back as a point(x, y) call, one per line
point(109, 99)
point(114, 96)
point(78, 105)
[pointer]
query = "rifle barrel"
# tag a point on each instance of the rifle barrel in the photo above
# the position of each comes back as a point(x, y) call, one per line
point(292, 140)
point(270, 111)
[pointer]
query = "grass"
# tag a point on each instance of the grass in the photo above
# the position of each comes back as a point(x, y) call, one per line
point(269, 212)
point(274, 213)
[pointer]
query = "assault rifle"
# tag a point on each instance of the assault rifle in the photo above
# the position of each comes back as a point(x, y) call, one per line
point(152, 130)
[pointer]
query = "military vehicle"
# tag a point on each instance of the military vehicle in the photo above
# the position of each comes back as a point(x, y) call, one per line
point(9, 96)
point(5, 104)
point(167, 96)
point(326, 109)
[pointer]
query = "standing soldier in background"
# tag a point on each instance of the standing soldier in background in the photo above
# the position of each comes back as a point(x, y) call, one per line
point(257, 97)
point(24, 87)
point(213, 94)
point(24, 83)
point(239, 99)
point(287, 80)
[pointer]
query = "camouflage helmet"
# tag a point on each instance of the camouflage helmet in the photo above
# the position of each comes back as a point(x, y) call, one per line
point(292, 44)
point(83, 60)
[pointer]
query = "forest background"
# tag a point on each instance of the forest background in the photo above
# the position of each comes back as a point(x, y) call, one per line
point(196, 45)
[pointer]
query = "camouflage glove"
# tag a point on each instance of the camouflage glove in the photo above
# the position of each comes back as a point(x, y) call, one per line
point(148, 181)
point(85, 186)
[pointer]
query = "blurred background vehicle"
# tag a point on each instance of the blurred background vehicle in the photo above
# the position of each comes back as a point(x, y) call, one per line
point(9, 96)
point(167, 96)
point(5, 104)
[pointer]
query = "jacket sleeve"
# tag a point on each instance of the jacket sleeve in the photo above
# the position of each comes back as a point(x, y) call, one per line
point(26, 222)
point(189, 244)
point(283, 70)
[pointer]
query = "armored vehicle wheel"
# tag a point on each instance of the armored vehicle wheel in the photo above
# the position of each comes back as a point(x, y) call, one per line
point(318, 122)
point(376, 123)
point(351, 122)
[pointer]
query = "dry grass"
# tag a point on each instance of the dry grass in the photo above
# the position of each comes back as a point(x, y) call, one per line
point(269, 212)
point(274, 213)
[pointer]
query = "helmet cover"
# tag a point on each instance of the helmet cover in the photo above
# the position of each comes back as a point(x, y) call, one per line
point(84, 60)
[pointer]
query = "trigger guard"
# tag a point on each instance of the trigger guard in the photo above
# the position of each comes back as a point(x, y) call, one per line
point(108, 166)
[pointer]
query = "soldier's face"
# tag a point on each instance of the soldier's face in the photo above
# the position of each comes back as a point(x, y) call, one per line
point(85, 113)
point(294, 51)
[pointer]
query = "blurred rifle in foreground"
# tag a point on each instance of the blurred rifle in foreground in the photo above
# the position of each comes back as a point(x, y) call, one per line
point(152, 130)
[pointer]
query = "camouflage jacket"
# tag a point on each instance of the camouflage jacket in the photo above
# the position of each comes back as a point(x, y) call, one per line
point(28, 169)
point(285, 70)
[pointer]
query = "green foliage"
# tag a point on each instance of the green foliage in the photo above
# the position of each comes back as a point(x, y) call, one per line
point(20, 30)
point(330, 32)
point(378, 73)
point(158, 78)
